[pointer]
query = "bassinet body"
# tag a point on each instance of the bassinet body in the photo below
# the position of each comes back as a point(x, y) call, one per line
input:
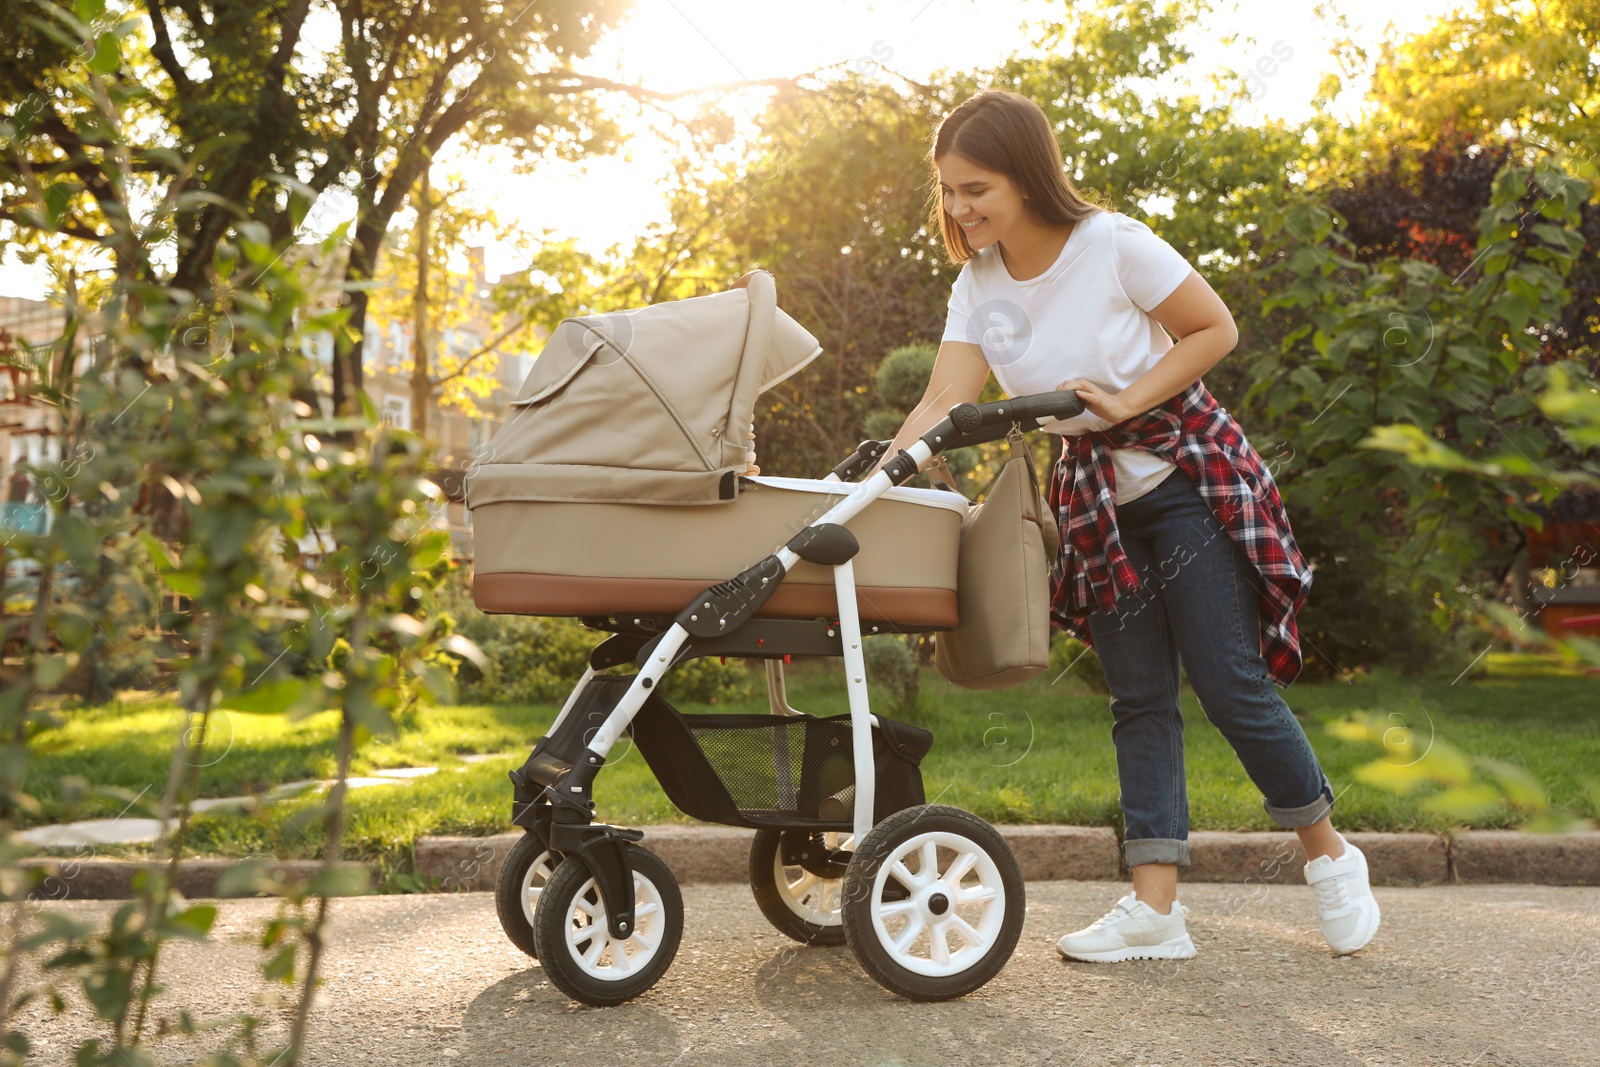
point(615, 485)
point(577, 558)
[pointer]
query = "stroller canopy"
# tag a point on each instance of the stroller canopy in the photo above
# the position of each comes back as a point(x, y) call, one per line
point(651, 405)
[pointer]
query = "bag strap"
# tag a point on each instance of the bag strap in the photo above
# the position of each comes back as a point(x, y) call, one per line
point(1019, 445)
point(939, 475)
point(1042, 513)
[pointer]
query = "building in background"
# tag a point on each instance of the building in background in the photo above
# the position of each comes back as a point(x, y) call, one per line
point(30, 431)
point(460, 437)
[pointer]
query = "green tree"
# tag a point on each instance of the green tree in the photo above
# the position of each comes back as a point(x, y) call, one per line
point(250, 117)
point(1399, 342)
point(414, 283)
point(1493, 81)
point(1528, 70)
point(209, 421)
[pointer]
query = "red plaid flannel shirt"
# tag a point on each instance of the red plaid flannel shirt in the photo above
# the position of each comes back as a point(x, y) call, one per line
point(1198, 435)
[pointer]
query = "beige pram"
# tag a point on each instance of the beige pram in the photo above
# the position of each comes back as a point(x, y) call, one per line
point(614, 494)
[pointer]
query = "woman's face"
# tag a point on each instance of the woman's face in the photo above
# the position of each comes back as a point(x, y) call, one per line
point(986, 205)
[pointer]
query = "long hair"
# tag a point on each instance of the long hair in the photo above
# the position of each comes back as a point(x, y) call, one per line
point(1011, 135)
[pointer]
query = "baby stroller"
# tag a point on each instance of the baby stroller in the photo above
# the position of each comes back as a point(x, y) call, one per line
point(615, 494)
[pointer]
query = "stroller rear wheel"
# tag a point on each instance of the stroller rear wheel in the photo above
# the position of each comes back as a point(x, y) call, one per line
point(523, 876)
point(801, 901)
point(933, 902)
point(579, 954)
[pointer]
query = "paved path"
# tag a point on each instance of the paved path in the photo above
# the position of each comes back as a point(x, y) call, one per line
point(1459, 975)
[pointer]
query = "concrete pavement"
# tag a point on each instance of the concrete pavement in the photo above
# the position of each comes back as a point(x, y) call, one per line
point(1459, 975)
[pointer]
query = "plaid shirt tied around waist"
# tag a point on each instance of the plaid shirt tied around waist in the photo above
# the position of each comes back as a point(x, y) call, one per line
point(1193, 431)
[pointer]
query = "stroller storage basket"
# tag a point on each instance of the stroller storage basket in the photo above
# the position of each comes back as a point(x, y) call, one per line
point(777, 770)
point(791, 771)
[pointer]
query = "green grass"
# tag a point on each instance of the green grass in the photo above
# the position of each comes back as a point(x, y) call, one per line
point(1034, 753)
point(131, 745)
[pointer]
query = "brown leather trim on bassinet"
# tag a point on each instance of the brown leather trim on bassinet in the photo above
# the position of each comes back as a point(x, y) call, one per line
point(514, 593)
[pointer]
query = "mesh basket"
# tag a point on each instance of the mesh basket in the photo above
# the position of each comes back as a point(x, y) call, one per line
point(776, 770)
point(785, 771)
point(776, 766)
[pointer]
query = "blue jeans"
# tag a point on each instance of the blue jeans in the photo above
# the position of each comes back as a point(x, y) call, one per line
point(1199, 599)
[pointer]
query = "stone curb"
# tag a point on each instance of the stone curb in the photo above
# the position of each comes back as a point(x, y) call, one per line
point(717, 854)
point(1510, 856)
point(710, 854)
point(111, 879)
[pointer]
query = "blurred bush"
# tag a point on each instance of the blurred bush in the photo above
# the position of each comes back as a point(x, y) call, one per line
point(537, 660)
point(1077, 661)
point(1467, 789)
point(893, 673)
point(896, 389)
point(1359, 613)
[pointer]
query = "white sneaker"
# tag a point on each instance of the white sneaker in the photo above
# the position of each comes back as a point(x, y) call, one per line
point(1345, 903)
point(1131, 930)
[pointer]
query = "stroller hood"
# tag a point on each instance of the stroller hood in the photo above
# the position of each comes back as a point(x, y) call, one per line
point(650, 405)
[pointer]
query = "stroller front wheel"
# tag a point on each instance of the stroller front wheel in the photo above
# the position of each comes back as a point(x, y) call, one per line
point(933, 903)
point(800, 901)
point(523, 876)
point(577, 951)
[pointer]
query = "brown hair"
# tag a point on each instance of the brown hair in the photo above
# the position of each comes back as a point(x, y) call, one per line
point(1011, 135)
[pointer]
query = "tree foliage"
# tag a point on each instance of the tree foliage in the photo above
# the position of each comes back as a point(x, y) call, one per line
point(1522, 69)
point(415, 284)
point(282, 550)
point(253, 116)
point(1398, 341)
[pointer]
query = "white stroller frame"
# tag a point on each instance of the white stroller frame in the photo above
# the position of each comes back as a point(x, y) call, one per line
point(582, 860)
point(844, 583)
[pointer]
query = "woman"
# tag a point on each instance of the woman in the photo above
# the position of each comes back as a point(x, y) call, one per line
point(1174, 540)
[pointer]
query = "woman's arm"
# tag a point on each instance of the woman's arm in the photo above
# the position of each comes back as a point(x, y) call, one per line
point(1197, 317)
point(959, 375)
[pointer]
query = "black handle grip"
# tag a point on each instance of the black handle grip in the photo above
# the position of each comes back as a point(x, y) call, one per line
point(976, 424)
point(1037, 407)
point(969, 424)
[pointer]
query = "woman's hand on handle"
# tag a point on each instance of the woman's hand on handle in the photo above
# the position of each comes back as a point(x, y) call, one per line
point(1109, 406)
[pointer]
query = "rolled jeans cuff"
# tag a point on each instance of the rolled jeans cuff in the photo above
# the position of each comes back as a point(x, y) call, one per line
point(1306, 814)
point(1141, 850)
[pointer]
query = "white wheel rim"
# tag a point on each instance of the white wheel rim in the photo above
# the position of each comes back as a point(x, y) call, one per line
point(533, 882)
point(593, 948)
point(813, 898)
point(956, 906)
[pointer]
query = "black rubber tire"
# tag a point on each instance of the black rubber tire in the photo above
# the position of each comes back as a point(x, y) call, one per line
point(508, 890)
point(764, 887)
point(556, 955)
point(859, 877)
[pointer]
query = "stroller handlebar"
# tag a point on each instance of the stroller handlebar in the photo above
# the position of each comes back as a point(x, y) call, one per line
point(972, 424)
point(967, 419)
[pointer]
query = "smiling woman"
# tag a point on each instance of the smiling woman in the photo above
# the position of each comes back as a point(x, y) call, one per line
point(1058, 293)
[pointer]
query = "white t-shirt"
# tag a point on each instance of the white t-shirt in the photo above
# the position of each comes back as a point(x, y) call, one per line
point(1085, 317)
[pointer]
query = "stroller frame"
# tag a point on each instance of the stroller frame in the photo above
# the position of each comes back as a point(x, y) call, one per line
point(553, 797)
